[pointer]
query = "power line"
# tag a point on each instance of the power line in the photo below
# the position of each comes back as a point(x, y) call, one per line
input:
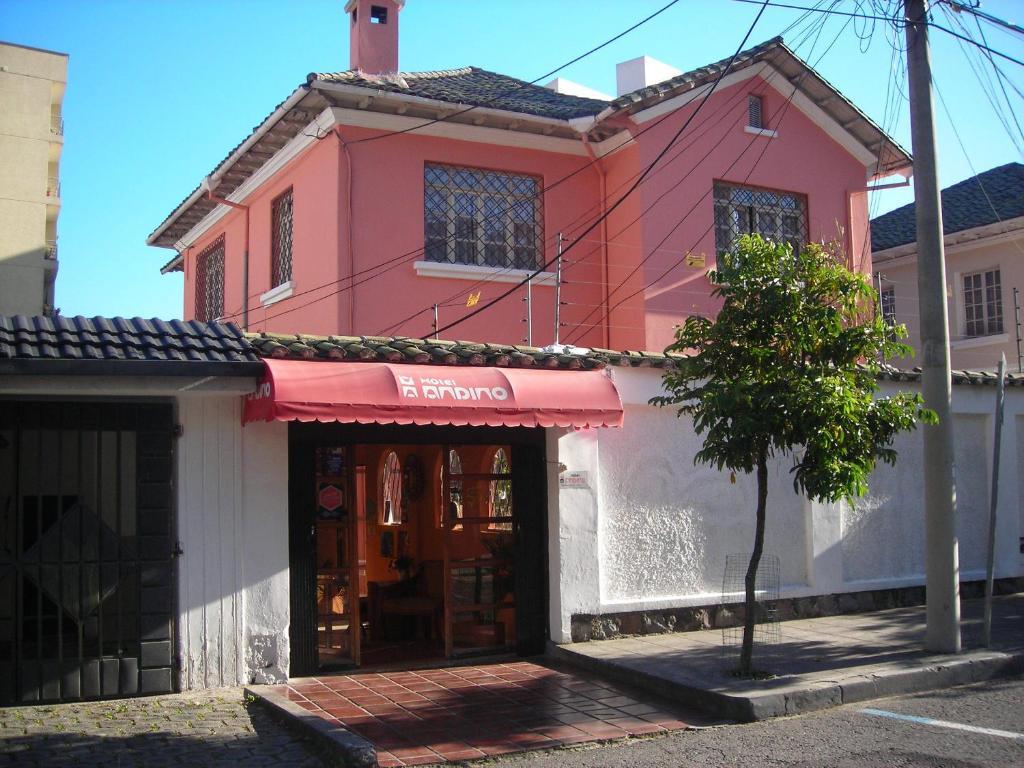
point(515, 90)
point(783, 110)
point(636, 184)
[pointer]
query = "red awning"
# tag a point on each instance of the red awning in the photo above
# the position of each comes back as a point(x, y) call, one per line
point(385, 393)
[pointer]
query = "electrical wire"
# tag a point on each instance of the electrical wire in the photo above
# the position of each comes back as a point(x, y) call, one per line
point(633, 188)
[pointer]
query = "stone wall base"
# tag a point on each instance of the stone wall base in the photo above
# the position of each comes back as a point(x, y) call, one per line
point(607, 626)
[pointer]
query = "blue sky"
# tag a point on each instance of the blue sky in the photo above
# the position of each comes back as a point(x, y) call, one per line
point(160, 91)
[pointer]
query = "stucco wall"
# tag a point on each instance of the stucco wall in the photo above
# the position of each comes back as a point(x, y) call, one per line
point(653, 529)
point(232, 526)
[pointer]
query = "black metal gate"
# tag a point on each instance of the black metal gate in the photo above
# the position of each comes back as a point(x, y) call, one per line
point(86, 577)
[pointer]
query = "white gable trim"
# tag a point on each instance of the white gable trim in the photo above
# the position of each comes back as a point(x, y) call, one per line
point(785, 88)
point(823, 120)
point(676, 102)
point(305, 138)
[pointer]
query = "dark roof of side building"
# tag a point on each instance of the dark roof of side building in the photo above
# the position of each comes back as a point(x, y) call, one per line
point(990, 197)
point(118, 345)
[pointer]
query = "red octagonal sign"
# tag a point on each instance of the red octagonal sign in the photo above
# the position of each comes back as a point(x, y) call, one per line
point(330, 497)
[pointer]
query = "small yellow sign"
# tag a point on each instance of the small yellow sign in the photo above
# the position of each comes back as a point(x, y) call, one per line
point(695, 260)
point(473, 299)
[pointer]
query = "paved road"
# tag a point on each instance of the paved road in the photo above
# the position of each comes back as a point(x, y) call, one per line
point(845, 737)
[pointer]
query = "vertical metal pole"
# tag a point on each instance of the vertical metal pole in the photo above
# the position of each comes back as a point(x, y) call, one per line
point(529, 313)
point(558, 289)
point(941, 566)
point(1016, 317)
point(991, 554)
point(436, 324)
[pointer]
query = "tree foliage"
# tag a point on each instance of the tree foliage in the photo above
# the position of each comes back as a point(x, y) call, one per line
point(789, 367)
point(790, 362)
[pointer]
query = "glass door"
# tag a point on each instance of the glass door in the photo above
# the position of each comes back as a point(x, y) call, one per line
point(337, 557)
point(479, 564)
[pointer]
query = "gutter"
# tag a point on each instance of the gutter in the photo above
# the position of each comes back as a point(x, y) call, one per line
point(214, 178)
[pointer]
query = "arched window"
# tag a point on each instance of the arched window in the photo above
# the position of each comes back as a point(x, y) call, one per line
point(391, 490)
point(454, 489)
point(501, 492)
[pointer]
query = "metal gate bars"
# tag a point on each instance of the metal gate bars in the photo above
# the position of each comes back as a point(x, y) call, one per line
point(86, 579)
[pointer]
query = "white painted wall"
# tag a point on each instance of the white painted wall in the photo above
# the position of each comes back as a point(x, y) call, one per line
point(653, 529)
point(233, 529)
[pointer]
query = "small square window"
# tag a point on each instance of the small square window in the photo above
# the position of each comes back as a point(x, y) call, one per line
point(755, 107)
point(378, 14)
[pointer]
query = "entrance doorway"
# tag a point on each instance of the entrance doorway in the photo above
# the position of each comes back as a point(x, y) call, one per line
point(409, 549)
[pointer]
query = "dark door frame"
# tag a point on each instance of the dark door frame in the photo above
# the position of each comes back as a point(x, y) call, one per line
point(529, 492)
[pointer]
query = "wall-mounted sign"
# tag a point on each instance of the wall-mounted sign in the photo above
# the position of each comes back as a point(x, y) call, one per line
point(330, 498)
point(574, 479)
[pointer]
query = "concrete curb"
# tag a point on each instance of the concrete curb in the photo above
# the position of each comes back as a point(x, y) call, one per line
point(913, 676)
point(354, 751)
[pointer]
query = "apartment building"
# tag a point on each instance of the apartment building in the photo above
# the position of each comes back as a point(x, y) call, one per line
point(32, 83)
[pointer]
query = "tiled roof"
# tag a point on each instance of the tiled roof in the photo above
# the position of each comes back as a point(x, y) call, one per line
point(472, 86)
point(802, 76)
point(122, 339)
point(395, 349)
point(399, 349)
point(990, 197)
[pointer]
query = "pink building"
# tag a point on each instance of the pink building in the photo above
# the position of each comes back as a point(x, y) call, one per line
point(370, 195)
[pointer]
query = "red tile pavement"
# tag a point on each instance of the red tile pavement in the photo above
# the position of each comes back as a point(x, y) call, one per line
point(462, 713)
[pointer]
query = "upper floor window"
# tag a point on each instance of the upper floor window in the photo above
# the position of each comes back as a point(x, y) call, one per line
point(484, 218)
point(983, 303)
point(210, 282)
point(281, 239)
point(778, 216)
point(887, 300)
point(755, 106)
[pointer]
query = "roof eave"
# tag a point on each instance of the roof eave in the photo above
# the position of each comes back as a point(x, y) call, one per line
point(268, 123)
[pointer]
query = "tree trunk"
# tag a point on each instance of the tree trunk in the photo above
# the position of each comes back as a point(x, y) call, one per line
point(750, 582)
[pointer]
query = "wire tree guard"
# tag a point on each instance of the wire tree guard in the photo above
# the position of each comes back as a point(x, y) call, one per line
point(767, 631)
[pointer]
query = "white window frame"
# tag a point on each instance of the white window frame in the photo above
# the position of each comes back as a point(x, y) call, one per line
point(986, 320)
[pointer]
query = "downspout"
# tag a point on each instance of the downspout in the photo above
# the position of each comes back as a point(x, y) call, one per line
point(351, 253)
point(595, 163)
point(206, 187)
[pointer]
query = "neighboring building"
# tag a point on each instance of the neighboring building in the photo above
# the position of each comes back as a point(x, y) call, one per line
point(983, 224)
point(182, 507)
point(32, 83)
point(322, 222)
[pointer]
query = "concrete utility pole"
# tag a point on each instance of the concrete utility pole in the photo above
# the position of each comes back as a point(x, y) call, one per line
point(941, 567)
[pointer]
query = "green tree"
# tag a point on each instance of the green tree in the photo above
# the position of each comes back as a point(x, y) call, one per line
point(788, 367)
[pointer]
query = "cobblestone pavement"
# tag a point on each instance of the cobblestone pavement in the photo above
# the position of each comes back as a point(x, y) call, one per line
point(202, 728)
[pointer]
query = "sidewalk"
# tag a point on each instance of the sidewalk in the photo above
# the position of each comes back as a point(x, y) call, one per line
point(818, 663)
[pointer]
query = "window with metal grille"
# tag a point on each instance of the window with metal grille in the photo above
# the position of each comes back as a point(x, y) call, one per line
point(754, 111)
point(485, 218)
point(887, 300)
point(983, 303)
point(210, 282)
point(778, 216)
point(281, 239)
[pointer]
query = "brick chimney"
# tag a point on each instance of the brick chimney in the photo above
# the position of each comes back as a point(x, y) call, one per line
point(373, 35)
